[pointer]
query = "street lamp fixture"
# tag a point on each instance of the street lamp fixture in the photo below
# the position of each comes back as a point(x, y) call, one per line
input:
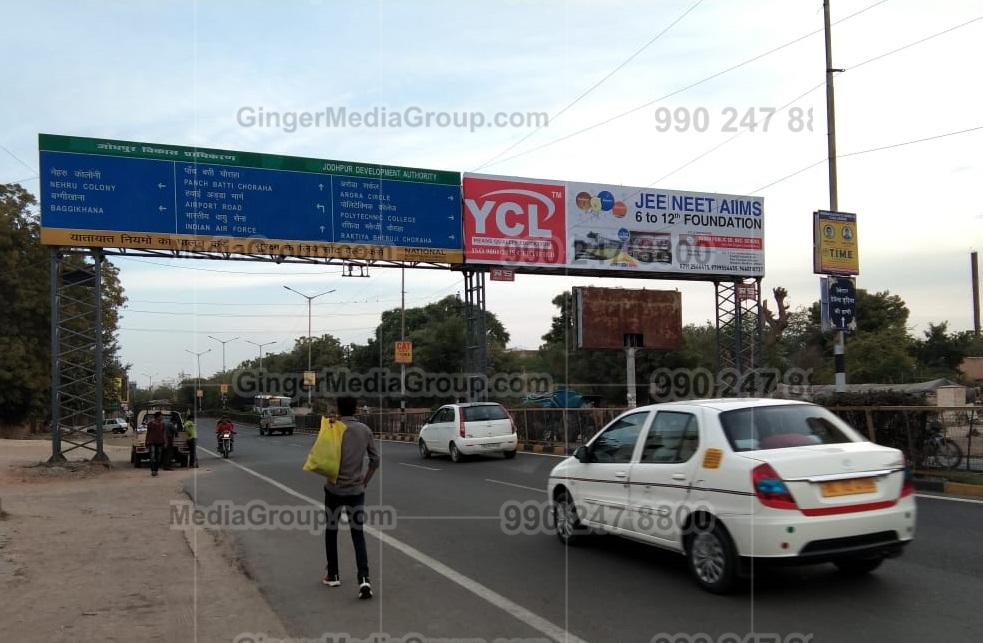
point(310, 299)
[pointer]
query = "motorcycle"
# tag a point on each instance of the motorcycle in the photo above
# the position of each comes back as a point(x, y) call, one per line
point(225, 443)
point(934, 450)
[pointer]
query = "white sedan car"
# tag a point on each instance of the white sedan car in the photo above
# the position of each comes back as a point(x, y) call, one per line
point(725, 482)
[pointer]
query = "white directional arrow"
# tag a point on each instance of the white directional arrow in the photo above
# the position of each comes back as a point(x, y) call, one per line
point(161, 208)
point(322, 229)
point(161, 186)
point(320, 207)
point(320, 186)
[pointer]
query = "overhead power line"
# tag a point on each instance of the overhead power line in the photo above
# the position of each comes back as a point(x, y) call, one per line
point(812, 89)
point(868, 151)
point(590, 89)
point(683, 89)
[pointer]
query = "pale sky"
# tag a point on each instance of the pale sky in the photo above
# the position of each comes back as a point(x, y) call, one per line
point(178, 72)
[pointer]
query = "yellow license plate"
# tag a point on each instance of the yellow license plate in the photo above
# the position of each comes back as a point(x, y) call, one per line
point(847, 487)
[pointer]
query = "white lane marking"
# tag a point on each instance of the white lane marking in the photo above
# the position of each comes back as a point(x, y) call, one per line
point(418, 466)
point(512, 484)
point(533, 620)
point(934, 497)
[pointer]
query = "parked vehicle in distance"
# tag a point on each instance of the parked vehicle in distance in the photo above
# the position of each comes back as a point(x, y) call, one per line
point(560, 399)
point(725, 482)
point(277, 419)
point(139, 451)
point(111, 425)
point(461, 430)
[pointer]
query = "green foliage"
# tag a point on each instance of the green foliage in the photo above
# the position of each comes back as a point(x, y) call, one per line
point(25, 317)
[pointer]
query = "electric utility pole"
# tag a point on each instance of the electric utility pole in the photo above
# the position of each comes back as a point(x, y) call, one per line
point(839, 350)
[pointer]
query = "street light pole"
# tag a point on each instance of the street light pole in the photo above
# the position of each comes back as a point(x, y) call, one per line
point(150, 382)
point(260, 346)
point(223, 342)
point(310, 299)
point(197, 378)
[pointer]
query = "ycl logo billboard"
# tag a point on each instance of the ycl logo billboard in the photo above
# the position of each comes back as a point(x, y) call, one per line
point(594, 229)
point(514, 221)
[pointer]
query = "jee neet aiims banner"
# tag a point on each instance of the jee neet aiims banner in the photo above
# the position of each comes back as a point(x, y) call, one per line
point(591, 227)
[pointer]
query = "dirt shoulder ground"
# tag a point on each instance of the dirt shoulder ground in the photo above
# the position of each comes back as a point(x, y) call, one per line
point(87, 554)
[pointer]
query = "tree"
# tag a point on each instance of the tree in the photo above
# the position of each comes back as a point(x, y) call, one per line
point(25, 317)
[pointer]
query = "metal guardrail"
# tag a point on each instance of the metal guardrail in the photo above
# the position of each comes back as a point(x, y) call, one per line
point(957, 442)
point(561, 431)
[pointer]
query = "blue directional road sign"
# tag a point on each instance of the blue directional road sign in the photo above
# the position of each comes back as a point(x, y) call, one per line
point(106, 193)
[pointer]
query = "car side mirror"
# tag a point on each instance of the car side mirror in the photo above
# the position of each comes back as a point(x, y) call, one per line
point(581, 454)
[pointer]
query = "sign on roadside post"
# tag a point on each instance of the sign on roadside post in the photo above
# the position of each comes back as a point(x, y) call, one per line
point(835, 247)
point(843, 303)
point(404, 352)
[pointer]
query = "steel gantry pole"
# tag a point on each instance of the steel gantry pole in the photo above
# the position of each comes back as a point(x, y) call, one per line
point(402, 337)
point(310, 299)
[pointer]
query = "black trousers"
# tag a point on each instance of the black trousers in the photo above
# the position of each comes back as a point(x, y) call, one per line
point(156, 453)
point(354, 507)
point(192, 451)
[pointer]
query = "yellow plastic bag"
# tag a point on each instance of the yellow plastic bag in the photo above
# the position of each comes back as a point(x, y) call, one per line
point(325, 455)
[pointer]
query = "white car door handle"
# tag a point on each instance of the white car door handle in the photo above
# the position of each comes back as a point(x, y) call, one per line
point(679, 476)
point(621, 474)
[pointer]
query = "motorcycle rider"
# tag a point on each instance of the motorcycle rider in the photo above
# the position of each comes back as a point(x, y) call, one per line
point(224, 425)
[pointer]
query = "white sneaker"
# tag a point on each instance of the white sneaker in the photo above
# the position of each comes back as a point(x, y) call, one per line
point(365, 589)
point(332, 581)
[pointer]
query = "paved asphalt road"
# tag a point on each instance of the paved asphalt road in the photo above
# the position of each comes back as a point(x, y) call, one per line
point(450, 570)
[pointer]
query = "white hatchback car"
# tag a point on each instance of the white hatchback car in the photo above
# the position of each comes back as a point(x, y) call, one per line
point(728, 481)
point(468, 429)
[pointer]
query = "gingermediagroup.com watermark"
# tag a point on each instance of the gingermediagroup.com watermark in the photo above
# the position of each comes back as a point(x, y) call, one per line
point(379, 117)
point(257, 515)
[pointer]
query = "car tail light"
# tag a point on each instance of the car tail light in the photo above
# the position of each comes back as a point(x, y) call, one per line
point(908, 484)
point(461, 429)
point(770, 489)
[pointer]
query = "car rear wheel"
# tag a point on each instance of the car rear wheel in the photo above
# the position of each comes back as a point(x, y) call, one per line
point(456, 455)
point(424, 451)
point(509, 454)
point(712, 559)
point(857, 566)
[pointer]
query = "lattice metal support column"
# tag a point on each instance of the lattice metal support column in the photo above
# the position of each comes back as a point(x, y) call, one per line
point(476, 335)
point(76, 355)
point(740, 327)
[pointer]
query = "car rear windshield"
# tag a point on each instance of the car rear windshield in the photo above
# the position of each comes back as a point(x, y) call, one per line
point(485, 412)
point(779, 427)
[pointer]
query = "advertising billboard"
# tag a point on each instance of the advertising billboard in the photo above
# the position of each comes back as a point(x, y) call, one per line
point(836, 250)
point(593, 228)
point(124, 194)
point(617, 317)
